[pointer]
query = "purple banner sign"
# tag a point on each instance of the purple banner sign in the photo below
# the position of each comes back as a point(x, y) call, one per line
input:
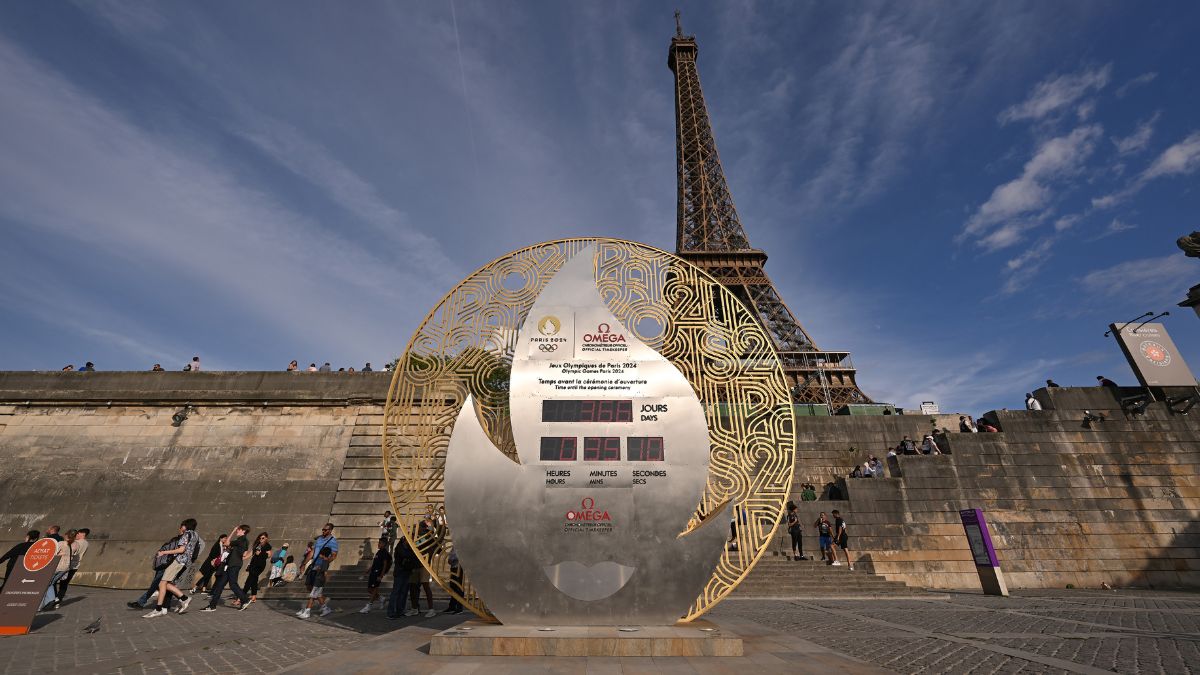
point(979, 538)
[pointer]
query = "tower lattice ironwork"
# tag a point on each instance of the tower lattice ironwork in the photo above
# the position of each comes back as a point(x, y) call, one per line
point(710, 234)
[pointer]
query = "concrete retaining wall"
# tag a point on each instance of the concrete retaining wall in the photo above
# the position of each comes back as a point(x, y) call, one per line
point(1114, 501)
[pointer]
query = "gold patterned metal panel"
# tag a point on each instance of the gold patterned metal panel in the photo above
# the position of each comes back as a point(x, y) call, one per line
point(465, 347)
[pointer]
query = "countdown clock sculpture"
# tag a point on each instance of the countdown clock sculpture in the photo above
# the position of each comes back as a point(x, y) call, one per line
point(572, 428)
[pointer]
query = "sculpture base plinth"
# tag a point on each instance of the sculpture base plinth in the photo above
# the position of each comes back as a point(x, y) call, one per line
point(475, 638)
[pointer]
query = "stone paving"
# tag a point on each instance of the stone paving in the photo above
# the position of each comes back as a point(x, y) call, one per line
point(1032, 632)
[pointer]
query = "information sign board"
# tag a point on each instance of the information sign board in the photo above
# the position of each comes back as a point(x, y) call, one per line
point(1152, 355)
point(25, 588)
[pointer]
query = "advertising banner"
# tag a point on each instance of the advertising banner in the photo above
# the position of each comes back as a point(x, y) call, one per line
point(23, 591)
point(1152, 355)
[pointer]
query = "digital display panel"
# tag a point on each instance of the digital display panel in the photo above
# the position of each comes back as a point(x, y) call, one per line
point(559, 448)
point(645, 448)
point(601, 449)
point(587, 411)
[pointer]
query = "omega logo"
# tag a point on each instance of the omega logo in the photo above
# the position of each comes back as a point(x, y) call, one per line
point(603, 334)
point(588, 512)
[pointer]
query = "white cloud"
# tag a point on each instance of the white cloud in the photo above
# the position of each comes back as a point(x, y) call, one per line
point(1179, 159)
point(1139, 139)
point(1054, 159)
point(1055, 93)
point(1152, 281)
point(315, 163)
point(176, 212)
point(1115, 227)
point(1085, 110)
point(1066, 222)
point(1144, 78)
point(1021, 270)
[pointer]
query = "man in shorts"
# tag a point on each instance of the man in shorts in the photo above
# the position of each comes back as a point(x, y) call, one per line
point(379, 567)
point(181, 559)
point(825, 536)
point(840, 538)
point(317, 574)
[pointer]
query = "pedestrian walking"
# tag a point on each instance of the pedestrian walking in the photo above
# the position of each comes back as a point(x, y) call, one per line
point(216, 556)
point(159, 563)
point(78, 547)
point(63, 551)
point(238, 552)
point(179, 558)
point(258, 564)
point(318, 576)
point(841, 539)
point(15, 553)
point(325, 539)
point(404, 561)
point(379, 567)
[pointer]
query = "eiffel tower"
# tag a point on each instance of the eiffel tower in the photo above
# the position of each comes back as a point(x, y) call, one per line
point(710, 235)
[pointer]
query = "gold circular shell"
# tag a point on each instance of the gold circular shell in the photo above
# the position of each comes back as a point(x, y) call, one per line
point(465, 346)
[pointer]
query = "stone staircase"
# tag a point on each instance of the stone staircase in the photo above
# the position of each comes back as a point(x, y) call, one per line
point(777, 576)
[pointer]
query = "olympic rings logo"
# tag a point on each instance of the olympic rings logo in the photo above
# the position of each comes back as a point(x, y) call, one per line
point(548, 347)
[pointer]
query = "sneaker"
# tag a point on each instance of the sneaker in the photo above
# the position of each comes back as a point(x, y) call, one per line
point(851, 567)
point(412, 612)
point(245, 606)
point(154, 613)
point(326, 611)
point(836, 563)
point(458, 611)
point(209, 609)
point(301, 611)
point(365, 610)
point(183, 605)
point(431, 613)
point(304, 613)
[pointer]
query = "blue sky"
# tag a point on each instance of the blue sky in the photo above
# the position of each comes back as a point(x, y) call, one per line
point(961, 194)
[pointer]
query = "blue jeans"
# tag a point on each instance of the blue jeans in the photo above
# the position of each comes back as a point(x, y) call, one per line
point(51, 595)
point(229, 576)
point(153, 590)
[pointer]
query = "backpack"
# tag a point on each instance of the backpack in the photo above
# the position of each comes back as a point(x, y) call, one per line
point(159, 561)
point(197, 547)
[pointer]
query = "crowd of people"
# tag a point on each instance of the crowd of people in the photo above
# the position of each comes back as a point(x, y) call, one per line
point(831, 536)
point(193, 366)
point(185, 567)
point(70, 549)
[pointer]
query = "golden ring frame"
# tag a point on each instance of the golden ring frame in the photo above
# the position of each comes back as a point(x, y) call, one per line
point(465, 346)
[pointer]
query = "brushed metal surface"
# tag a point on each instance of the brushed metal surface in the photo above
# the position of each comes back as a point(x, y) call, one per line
point(604, 547)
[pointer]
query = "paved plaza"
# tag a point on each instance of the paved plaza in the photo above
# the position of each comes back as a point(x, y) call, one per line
point(1035, 632)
